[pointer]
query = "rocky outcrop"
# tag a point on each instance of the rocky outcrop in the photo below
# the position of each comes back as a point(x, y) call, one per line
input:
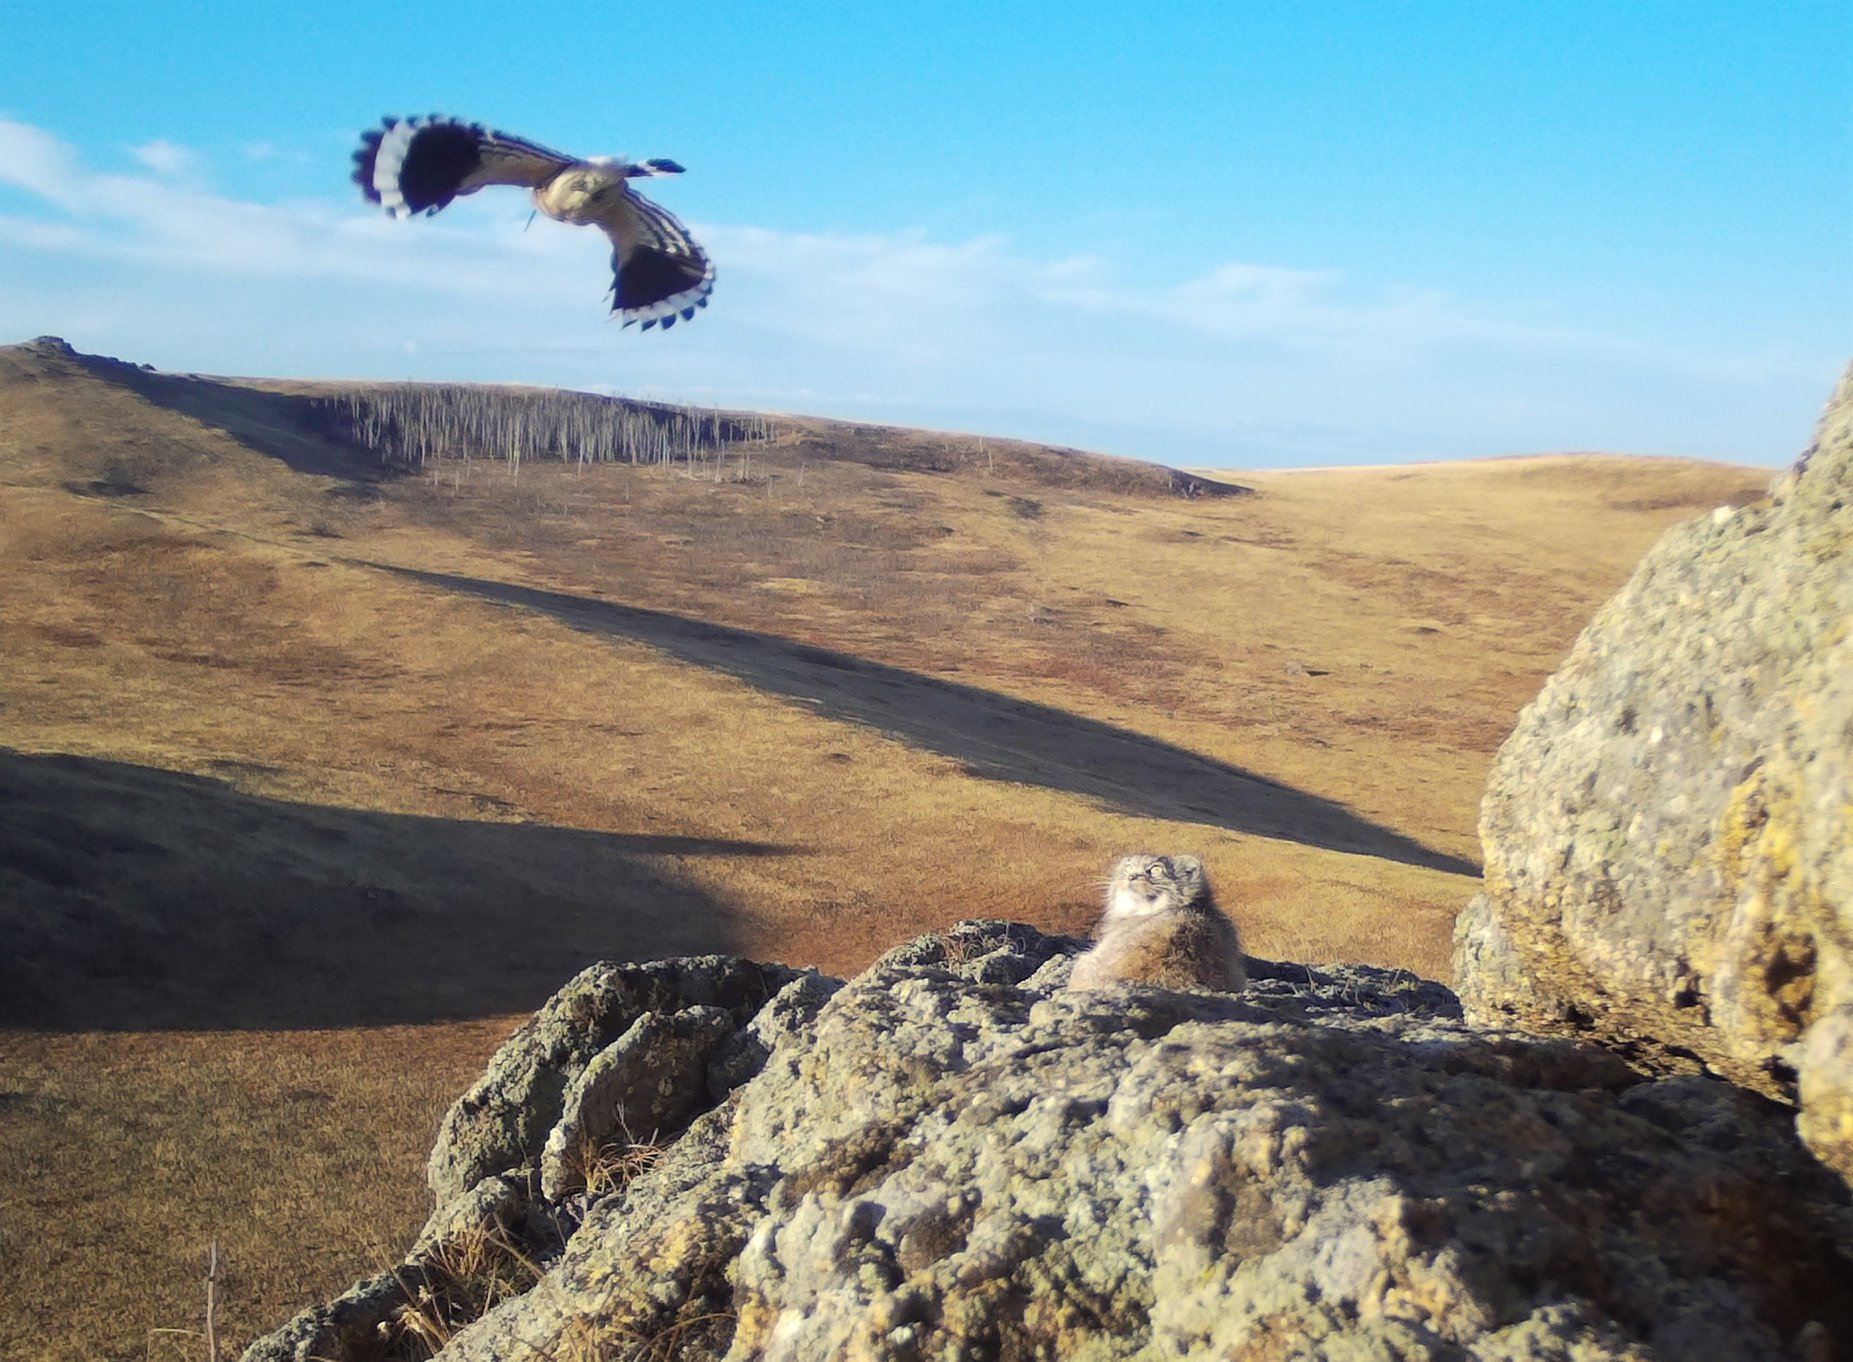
point(1668, 832)
point(507, 1119)
point(953, 1157)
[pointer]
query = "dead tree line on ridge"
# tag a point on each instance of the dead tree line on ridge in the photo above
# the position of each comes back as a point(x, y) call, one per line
point(409, 425)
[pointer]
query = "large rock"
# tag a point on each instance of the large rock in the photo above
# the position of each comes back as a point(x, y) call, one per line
point(1669, 830)
point(953, 1157)
point(504, 1121)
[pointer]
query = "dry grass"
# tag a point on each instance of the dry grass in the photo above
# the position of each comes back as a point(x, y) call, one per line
point(601, 1167)
point(458, 1282)
point(286, 749)
point(122, 1154)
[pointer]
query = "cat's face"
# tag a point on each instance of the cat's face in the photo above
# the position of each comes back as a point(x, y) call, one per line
point(1143, 884)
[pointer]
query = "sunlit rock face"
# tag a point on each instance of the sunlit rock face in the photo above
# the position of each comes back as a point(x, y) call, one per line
point(1669, 831)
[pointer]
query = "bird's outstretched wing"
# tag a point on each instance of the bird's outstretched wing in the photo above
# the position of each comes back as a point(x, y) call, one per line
point(658, 272)
point(417, 165)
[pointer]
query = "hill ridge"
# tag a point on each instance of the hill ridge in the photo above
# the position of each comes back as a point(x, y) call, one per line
point(878, 445)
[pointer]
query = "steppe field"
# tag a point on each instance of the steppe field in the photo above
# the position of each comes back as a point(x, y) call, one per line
point(318, 772)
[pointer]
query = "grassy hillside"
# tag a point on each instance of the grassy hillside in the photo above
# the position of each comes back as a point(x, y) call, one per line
point(315, 769)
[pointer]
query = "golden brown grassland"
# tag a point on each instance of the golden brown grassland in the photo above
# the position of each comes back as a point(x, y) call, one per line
point(312, 779)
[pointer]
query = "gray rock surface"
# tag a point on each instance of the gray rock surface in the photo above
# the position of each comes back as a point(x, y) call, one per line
point(743, 1053)
point(503, 1121)
point(1669, 830)
point(651, 1079)
point(955, 1158)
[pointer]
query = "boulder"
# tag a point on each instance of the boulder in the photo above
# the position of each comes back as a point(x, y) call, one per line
point(1668, 832)
point(504, 1120)
point(952, 1157)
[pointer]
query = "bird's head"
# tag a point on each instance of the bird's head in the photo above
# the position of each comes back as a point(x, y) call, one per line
point(573, 195)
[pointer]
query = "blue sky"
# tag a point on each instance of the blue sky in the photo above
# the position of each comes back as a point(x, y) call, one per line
point(1245, 234)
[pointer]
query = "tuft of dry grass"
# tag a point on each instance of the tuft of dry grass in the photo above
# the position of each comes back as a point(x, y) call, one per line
point(312, 781)
point(605, 1166)
point(455, 1284)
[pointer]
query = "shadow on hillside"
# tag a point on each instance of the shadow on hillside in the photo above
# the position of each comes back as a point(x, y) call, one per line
point(283, 426)
point(134, 898)
point(991, 735)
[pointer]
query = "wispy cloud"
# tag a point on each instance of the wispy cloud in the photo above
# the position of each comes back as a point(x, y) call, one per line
point(163, 157)
point(33, 160)
point(922, 296)
point(1244, 360)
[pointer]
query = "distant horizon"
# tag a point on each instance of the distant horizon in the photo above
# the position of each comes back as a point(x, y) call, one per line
point(1414, 457)
point(1208, 470)
point(1262, 235)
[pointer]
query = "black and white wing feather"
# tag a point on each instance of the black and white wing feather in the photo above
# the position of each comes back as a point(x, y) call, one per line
point(659, 273)
point(417, 165)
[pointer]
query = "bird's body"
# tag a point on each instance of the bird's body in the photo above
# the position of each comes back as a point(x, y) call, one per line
point(1161, 926)
point(659, 273)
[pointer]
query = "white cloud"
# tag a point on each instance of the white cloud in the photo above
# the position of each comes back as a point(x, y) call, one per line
point(33, 160)
point(163, 157)
point(925, 298)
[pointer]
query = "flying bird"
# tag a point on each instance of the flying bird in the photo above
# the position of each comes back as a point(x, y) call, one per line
point(417, 165)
